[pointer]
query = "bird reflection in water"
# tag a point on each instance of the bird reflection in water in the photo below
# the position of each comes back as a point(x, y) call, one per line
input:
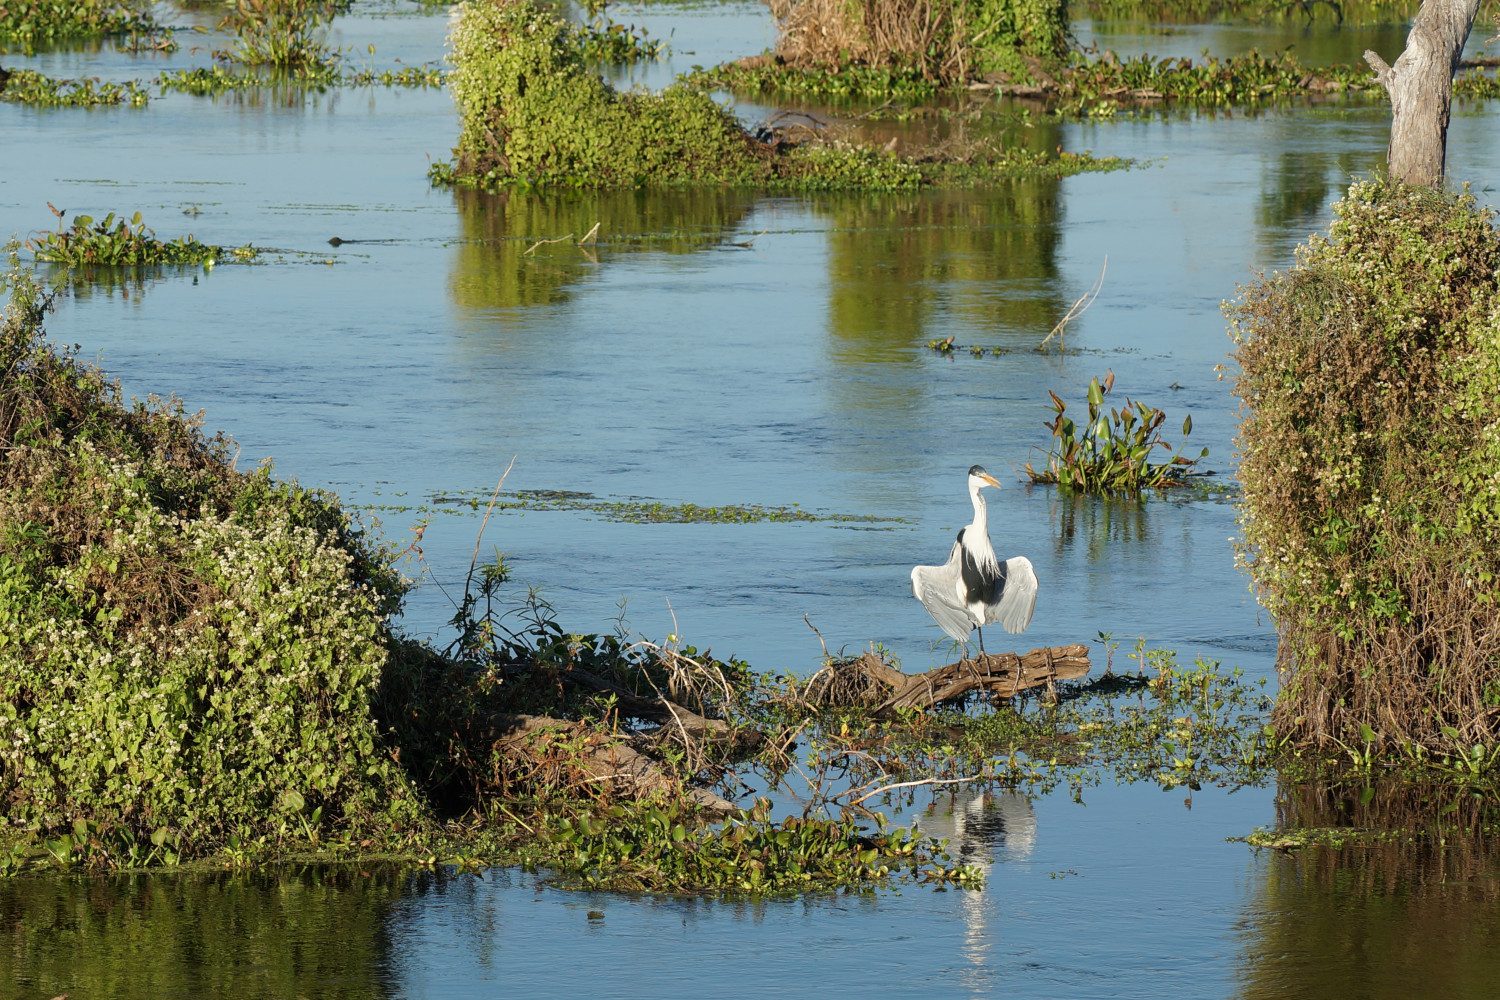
point(983, 829)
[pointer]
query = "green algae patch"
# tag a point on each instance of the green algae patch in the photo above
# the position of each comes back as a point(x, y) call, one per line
point(534, 114)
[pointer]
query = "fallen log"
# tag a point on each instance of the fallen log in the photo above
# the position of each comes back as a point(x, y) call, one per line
point(870, 682)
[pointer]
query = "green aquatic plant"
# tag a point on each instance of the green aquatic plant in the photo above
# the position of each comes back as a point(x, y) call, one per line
point(655, 849)
point(1112, 452)
point(116, 241)
point(604, 41)
point(24, 86)
point(285, 35)
point(29, 23)
point(1086, 85)
point(1107, 82)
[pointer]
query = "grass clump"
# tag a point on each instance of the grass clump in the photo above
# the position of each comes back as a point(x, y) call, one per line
point(188, 653)
point(1112, 453)
point(120, 241)
point(24, 86)
point(1370, 375)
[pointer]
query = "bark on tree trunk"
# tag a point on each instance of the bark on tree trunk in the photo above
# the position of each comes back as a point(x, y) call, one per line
point(1421, 89)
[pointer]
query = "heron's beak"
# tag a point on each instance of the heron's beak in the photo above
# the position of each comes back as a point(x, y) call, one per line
point(992, 481)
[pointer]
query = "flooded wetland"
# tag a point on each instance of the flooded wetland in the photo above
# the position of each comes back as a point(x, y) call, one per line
point(727, 421)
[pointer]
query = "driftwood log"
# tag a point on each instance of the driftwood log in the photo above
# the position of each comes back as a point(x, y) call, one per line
point(870, 682)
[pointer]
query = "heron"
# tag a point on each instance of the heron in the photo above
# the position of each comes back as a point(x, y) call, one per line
point(973, 588)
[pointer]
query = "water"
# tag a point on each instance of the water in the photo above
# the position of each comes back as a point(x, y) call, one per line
point(725, 347)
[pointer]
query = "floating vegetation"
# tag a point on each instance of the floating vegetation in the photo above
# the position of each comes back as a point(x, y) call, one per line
point(24, 86)
point(1095, 86)
point(114, 241)
point(637, 510)
point(208, 80)
point(1112, 454)
point(625, 849)
point(29, 23)
point(1090, 85)
point(406, 76)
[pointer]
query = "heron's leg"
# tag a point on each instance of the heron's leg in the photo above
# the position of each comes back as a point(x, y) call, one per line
point(981, 643)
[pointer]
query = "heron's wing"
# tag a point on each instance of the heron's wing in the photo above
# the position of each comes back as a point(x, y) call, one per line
point(937, 588)
point(1014, 597)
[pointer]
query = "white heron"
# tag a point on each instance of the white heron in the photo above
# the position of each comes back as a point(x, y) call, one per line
point(973, 588)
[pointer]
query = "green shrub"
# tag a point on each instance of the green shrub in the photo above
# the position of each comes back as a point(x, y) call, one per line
point(186, 651)
point(533, 113)
point(1369, 449)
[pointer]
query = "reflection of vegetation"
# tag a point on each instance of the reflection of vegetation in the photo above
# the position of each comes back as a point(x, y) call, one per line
point(899, 265)
point(1296, 187)
point(1326, 920)
point(1320, 12)
point(1104, 525)
point(307, 932)
point(493, 270)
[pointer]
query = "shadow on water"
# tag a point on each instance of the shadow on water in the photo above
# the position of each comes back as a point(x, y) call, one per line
point(315, 932)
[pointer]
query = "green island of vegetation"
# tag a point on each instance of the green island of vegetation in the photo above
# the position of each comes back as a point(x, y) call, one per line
point(533, 113)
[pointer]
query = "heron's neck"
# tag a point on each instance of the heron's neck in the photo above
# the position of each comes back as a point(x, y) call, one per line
point(981, 514)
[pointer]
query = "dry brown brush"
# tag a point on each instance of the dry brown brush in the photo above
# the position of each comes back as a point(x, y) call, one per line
point(947, 41)
point(1370, 377)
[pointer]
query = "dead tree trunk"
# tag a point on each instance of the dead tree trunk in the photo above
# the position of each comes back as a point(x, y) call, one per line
point(1421, 89)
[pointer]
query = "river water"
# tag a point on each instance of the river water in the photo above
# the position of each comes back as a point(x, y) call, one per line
point(727, 348)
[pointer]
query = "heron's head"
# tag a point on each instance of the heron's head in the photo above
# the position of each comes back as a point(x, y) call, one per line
point(976, 472)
